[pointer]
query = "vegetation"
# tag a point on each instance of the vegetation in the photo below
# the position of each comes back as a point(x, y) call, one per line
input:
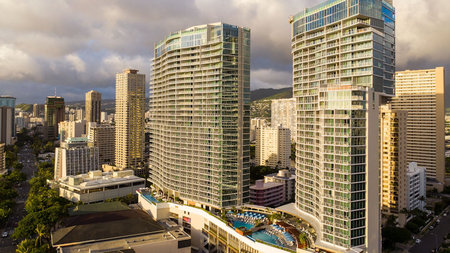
point(25, 107)
point(258, 172)
point(393, 235)
point(262, 98)
point(44, 209)
point(303, 241)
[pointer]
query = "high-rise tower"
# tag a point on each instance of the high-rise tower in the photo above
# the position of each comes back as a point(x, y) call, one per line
point(421, 94)
point(129, 118)
point(343, 65)
point(7, 119)
point(93, 107)
point(54, 113)
point(200, 115)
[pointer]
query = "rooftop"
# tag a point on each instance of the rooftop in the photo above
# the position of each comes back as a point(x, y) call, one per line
point(260, 185)
point(97, 178)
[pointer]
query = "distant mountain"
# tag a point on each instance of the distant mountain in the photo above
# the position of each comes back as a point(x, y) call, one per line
point(261, 107)
point(266, 93)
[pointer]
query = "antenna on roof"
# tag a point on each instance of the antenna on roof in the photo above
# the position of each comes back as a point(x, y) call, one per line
point(55, 91)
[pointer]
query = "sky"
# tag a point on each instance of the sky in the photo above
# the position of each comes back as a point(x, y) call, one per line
point(79, 45)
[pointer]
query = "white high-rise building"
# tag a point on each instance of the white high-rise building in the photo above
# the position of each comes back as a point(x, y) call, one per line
point(255, 123)
point(343, 67)
point(200, 115)
point(416, 186)
point(273, 146)
point(71, 129)
point(75, 157)
point(283, 113)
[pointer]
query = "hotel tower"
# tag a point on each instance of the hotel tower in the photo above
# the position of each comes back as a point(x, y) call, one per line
point(343, 70)
point(200, 115)
point(129, 137)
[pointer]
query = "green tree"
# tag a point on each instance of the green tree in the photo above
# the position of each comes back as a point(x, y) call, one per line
point(303, 241)
point(28, 246)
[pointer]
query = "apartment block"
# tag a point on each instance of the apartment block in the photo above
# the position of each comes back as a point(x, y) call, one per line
point(286, 178)
point(129, 119)
point(421, 94)
point(416, 187)
point(267, 193)
point(200, 115)
point(102, 136)
point(255, 123)
point(75, 157)
point(71, 129)
point(93, 107)
point(7, 119)
point(54, 113)
point(2, 159)
point(393, 159)
point(343, 67)
point(283, 113)
point(273, 146)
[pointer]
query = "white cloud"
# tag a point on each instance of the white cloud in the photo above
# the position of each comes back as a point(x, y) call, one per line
point(17, 65)
point(76, 62)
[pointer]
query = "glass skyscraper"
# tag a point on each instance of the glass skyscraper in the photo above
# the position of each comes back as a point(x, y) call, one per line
point(343, 69)
point(200, 115)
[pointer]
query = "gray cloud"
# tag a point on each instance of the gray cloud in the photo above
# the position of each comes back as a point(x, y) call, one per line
point(79, 45)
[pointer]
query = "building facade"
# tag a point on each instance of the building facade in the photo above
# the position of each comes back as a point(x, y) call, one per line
point(200, 115)
point(75, 157)
point(273, 146)
point(287, 179)
point(7, 119)
point(102, 136)
point(93, 107)
point(54, 113)
point(129, 118)
point(71, 129)
point(343, 66)
point(421, 94)
point(283, 113)
point(393, 159)
point(255, 123)
point(416, 187)
point(2, 159)
point(267, 194)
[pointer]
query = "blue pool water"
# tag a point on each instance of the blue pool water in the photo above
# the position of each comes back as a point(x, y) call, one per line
point(238, 224)
point(260, 235)
point(150, 198)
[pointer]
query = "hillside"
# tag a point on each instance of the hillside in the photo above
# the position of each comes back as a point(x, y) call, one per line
point(260, 108)
point(25, 107)
point(266, 93)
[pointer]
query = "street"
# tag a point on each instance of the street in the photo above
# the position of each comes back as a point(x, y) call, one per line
point(433, 238)
point(26, 157)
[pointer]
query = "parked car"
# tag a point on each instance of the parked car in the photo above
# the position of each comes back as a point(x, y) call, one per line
point(418, 241)
point(5, 234)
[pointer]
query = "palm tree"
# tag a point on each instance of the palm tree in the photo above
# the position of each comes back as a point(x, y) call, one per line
point(303, 241)
point(25, 246)
point(40, 230)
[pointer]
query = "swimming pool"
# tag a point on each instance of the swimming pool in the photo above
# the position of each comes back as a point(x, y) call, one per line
point(150, 198)
point(238, 224)
point(263, 236)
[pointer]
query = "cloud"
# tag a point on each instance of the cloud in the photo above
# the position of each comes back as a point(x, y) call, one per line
point(80, 45)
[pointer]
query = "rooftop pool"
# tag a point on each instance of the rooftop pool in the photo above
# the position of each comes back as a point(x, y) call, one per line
point(150, 198)
point(238, 224)
point(264, 236)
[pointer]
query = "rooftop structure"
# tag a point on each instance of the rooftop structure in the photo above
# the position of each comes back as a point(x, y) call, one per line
point(98, 186)
point(118, 231)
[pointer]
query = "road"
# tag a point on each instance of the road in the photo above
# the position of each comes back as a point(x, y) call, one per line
point(26, 157)
point(433, 238)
